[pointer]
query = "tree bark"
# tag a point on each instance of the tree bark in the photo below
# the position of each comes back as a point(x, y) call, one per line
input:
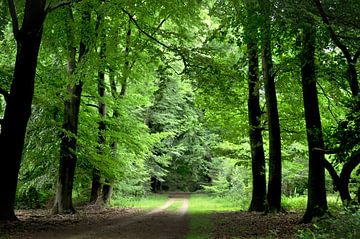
point(317, 204)
point(274, 184)
point(18, 105)
point(63, 201)
point(106, 192)
point(96, 179)
point(255, 133)
point(254, 112)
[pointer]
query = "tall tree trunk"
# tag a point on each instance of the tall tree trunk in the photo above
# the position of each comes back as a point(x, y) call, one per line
point(18, 105)
point(317, 204)
point(274, 184)
point(63, 201)
point(255, 133)
point(107, 187)
point(254, 112)
point(96, 179)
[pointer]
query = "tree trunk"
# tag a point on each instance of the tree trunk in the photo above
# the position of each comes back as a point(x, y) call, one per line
point(256, 141)
point(345, 175)
point(96, 180)
point(254, 112)
point(106, 192)
point(274, 184)
point(63, 201)
point(317, 204)
point(18, 105)
point(95, 186)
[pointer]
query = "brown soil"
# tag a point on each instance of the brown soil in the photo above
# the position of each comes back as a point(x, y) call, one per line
point(256, 225)
point(99, 222)
point(161, 223)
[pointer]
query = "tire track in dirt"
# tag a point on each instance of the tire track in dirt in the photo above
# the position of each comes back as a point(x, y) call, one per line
point(158, 223)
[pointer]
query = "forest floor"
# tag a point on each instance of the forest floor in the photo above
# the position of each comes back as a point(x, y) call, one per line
point(170, 221)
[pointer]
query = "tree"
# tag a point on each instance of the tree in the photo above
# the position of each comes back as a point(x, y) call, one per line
point(274, 183)
point(18, 101)
point(342, 29)
point(254, 111)
point(68, 157)
point(317, 203)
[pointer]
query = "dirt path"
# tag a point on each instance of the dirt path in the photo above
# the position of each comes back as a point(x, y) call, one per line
point(162, 222)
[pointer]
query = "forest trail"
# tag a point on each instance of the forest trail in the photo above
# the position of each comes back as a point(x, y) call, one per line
point(169, 221)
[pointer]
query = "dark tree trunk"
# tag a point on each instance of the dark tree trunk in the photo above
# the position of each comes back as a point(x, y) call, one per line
point(345, 175)
point(96, 180)
point(106, 192)
point(353, 78)
point(317, 204)
point(274, 184)
point(341, 182)
point(255, 133)
point(95, 186)
point(18, 105)
point(63, 201)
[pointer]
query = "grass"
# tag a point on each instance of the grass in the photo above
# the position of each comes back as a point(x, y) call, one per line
point(147, 202)
point(201, 207)
point(175, 207)
point(298, 203)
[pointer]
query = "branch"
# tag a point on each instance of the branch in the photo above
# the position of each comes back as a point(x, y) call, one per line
point(14, 18)
point(5, 94)
point(333, 35)
point(154, 39)
point(53, 7)
point(328, 99)
point(356, 56)
point(335, 177)
point(92, 105)
point(144, 32)
point(326, 151)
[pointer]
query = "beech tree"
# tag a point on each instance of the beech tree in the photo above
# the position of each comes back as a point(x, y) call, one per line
point(274, 182)
point(18, 100)
point(68, 158)
point(317, 203)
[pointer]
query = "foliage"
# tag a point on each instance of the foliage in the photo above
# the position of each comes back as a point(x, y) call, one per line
point(342, 225)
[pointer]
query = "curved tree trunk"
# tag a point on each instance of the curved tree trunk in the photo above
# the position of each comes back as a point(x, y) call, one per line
point(18, 104)
point(317, 204)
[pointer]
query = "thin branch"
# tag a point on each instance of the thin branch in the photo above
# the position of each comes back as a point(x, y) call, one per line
point(14, 18)
point(326, 151)
point(328, 99)
point(144, 32)
point(5, 94)
point(155, 39)
point(60, 4)
point(92, 105)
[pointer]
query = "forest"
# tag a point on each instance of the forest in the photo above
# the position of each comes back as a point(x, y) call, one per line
point(238, 115)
